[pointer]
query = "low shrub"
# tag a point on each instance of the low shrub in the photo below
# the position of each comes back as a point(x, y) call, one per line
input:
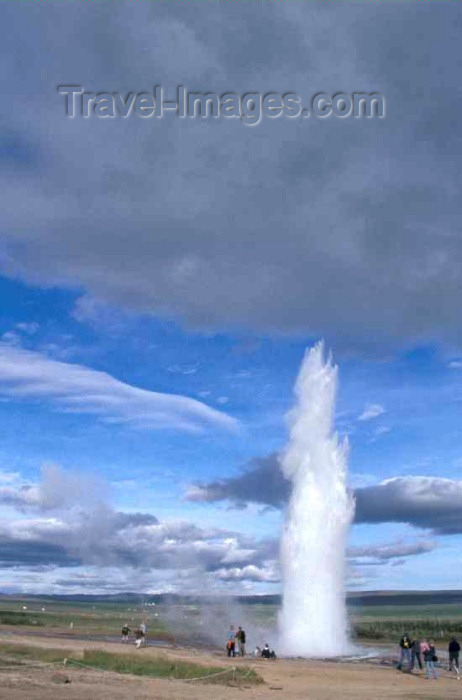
point(164, 667)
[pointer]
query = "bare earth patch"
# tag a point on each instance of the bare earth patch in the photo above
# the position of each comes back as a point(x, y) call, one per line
point(293, 679)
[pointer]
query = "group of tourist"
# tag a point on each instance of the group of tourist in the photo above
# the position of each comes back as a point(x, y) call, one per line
point(141, 635)
point(236, 641)
point(235, 645)
point(265, 653)
point(415, 651)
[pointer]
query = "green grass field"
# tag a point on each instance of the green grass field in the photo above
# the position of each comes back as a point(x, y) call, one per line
point(389, 622)
point(88, 618)
point(79, 618)
point(157, 666)
point(385, 621)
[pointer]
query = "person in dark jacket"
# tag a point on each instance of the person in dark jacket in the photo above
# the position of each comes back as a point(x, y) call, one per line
point(266, 652)
point(454, 649)
point(405, 651)
point(415, 654)
point(138, 638)
point(240, 638)
point(430, 658)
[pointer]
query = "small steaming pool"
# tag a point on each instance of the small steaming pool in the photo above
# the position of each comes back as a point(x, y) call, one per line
point(380, 655)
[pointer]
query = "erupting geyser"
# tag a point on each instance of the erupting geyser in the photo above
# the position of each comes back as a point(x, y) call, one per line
point(313, 619)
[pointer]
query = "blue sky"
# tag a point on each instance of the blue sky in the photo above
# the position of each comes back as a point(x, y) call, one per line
point(160, 283)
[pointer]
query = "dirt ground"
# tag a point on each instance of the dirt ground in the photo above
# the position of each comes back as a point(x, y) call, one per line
point(292, 679)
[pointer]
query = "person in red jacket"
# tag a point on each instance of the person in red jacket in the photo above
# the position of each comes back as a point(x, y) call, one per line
point(231, 642)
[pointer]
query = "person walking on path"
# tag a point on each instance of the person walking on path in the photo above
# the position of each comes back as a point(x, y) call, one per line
point(138, 638)
point(454, 649)
point(240, 637)
point(125, 632)
point(144, 632)
point(415, 654)
point(430, 658)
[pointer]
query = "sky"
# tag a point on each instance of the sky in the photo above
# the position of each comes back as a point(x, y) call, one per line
point(161, 279)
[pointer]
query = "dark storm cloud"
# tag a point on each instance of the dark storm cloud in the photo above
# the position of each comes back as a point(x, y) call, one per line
point(34, 554)
point(347, 228)
point(263, 482)
point(383, 553)
point(426, 502)
point(422, 501)
point(135, 519)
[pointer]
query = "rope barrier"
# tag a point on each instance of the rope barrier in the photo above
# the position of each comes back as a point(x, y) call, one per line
point(221, 673)
point(79, 663)
point(210, 675)
point(186, 680)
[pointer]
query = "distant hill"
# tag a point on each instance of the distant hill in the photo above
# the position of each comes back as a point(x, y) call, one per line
point(354, 599)
point(371, 598)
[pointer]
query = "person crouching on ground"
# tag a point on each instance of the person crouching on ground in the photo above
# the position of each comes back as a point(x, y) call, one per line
point(266, 652)
point(240, 638)
point(430, 658)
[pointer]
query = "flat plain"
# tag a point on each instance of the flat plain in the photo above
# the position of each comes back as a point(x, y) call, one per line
point(73, 650)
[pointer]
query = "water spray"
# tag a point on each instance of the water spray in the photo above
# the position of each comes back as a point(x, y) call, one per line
point(313, 619)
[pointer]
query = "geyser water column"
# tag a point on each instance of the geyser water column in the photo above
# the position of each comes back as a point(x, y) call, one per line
point(313, 620)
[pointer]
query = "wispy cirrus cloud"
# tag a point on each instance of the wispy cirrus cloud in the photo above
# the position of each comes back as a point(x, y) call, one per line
point(371, 411)
point(455, 364)
point(27, 375)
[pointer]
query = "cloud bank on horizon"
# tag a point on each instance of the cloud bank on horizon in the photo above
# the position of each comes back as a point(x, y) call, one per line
point(68, 524)
point(71, 523)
